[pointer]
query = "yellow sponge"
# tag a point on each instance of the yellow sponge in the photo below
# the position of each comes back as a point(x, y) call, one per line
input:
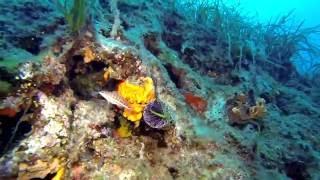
point(138, 96)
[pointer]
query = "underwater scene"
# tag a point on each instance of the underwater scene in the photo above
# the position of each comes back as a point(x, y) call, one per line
point(159, 90)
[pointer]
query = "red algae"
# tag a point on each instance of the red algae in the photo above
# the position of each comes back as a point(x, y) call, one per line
point(9, 112)
point(197, 103)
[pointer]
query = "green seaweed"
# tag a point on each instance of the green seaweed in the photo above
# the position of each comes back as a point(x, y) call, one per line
point(163, 116)
point(74, 13)
point(5, 88)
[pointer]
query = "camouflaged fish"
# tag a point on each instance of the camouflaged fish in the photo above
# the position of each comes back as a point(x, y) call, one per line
point(113, 98)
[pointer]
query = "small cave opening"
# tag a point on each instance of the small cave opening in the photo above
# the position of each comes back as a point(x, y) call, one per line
point(86, 79)
point(52, 89)
point(96, 66)
point(48, 177)
point(296, 170)
point(175, 75)
point(8, 82)
point(155, 134)
point(173, 40)
point(8, 136)
point(77, 66)
point(111, 84)
point(173, 172)
point(151, 42)
point(7, 75)
point(29, 43)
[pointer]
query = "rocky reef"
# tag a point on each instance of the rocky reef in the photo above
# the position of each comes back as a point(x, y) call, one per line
point(136, 90)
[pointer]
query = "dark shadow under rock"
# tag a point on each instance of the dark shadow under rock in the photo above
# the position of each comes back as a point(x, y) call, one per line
point(151, 42)
point(156, 134)
point(296, 170)
point(173, 40)
point(29, 43)
point(7, 126)
point(175, 75)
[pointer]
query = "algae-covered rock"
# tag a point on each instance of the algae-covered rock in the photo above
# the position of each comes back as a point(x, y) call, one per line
point(5, 88)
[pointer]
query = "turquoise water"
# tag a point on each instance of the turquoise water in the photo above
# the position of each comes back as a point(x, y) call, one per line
point(305, 11)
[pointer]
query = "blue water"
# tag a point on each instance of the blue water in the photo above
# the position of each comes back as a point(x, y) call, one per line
point(303, 11)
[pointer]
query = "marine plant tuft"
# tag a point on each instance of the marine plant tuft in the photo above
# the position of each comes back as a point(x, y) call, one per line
point(74, 12)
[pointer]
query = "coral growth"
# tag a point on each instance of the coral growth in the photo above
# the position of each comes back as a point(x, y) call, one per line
point(124, 130)
point(124, 63)
point(108, 73)
point(40, 169)
point(93, 123)
point(259, 110)
point(240, 109)
point(88, 55)
point(54, 70)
